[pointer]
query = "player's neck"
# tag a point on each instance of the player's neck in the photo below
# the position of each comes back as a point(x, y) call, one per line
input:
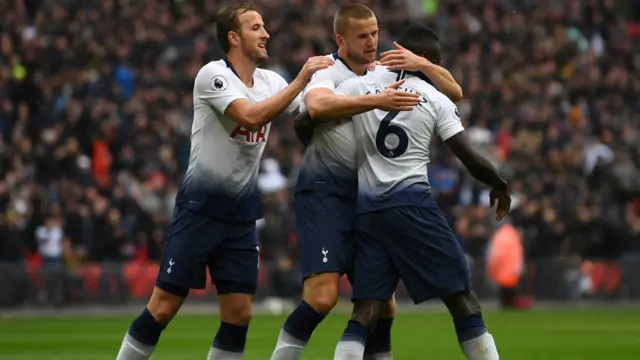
point(358, 69)
point(243, 67)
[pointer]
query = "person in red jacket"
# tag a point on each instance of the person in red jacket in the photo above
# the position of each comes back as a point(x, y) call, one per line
point(505, 262)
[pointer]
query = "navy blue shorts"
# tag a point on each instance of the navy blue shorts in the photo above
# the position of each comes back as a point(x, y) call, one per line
point(413, 244)
point(325, 224)
point(196, 242)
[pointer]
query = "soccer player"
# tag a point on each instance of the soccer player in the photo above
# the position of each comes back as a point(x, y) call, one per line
point(327, 185)
point(400, 232)
point(217, 205)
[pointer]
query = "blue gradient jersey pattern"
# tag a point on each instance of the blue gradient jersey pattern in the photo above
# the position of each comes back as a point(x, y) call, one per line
point(224, 161)
point(329, 162)
point(393, 147)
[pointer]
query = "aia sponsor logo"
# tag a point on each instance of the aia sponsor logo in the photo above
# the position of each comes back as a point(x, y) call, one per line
point(257, 136)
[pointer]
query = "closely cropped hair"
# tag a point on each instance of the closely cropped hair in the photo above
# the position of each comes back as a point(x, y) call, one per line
point(227, 20)
point(352, 11)
point(422, 41)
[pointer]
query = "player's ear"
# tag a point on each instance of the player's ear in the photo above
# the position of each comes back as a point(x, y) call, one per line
point(234, 38)
point(339, 40)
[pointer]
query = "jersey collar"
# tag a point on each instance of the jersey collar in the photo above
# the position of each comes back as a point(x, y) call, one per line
point(226, 61)
point(402, 74)
point(338, 58)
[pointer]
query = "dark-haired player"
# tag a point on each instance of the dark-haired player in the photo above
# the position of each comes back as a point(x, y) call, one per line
point(400, 232)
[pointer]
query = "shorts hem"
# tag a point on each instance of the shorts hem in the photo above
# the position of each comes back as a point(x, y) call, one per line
point(224, 287)
point(174, 289)
point(442, 294)
point(309, 274)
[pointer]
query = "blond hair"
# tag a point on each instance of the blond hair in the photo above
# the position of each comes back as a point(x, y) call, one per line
point(348, 12)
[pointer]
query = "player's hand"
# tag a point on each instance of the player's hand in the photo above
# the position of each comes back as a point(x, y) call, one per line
point(373, 65)
point(392, 99)
point(402, 59)
point(502, 200)
point(314, 64)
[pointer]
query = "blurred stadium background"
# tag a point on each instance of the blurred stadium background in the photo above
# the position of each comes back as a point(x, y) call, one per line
point(95, 116)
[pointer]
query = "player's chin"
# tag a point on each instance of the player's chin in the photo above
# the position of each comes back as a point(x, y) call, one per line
point(262, 56)
point(369, 57)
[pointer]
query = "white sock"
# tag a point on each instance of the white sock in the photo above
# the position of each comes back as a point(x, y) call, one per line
point(217, 354)
point(349, 350)
point(481, 348)
point(381, 356)
point(133, 349)
point(288, 347)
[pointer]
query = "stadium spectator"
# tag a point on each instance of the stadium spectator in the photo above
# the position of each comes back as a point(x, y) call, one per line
point(96, 107)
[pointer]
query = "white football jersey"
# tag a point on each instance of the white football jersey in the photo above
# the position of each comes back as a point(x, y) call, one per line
point(329, 162)
point(221, 180)
point(393, 147)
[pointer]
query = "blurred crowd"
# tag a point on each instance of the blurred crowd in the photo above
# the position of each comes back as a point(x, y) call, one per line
point(96, 108)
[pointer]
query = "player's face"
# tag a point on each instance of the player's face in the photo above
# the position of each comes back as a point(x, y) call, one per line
point(253, 36)
point(361, 40)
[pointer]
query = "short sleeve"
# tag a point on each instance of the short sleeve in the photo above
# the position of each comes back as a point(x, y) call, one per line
point(448, 118)
point(348, 87)
point(322, 79)
point(214, 88)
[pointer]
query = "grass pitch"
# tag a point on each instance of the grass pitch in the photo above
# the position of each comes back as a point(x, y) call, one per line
point(584, 334)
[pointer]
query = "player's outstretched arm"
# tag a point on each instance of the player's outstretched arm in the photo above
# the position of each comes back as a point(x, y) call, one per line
point(253, 116)
point(403, 59)
point(479, 167)
point(482, 170)
point(324, 105)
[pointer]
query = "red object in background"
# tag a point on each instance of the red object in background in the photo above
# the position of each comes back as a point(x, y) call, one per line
point(101, 162)
point(504, 142)
point(634, 29)
point(157, 180)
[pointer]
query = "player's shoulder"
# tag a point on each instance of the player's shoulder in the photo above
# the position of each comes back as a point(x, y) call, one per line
point(441, 103)
point(218, 67)
point(332, 56)
point(215, 75)
point(338, 71)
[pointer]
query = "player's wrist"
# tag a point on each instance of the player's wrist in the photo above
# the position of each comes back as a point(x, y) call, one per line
point(375, 101)
point(427, 67)
point(501, 185)
point(299, 83)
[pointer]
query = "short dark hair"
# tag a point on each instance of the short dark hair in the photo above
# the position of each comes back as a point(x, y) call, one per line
point(348, 12)
point(422, 41)
point(227, 20)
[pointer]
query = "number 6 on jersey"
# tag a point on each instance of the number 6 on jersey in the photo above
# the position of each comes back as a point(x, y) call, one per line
point(385, 135)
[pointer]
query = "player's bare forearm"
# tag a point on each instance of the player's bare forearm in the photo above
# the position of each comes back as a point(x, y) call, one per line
point(479, 167)
point(253, 116)
point(443, 80)
point(326, 106)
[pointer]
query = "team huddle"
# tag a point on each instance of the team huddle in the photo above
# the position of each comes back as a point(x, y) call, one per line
point(362, 200)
